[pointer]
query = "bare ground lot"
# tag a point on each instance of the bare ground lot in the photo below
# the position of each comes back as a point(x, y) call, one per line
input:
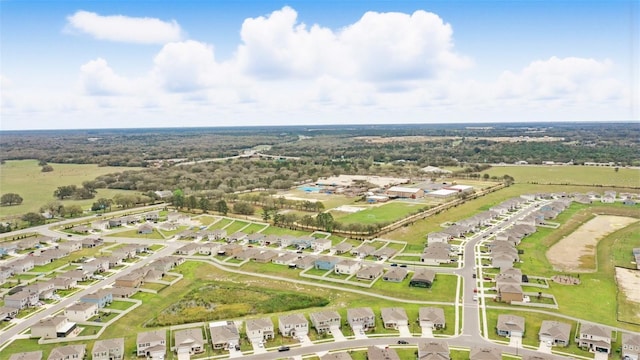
point(575, 252)
point(629, 282)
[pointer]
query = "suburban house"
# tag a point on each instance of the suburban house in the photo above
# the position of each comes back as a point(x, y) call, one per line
point(306, 262)
point(53, 327)
point(287, 259)
point(110, 349)
point(361, 319)
point(434, 350)
point(145, 229)
point(370, 272)
point(152, 216)
point(594, 338)
point(132, 279)
point(630, 346)
point(323, 321)
point(68, 352)
point(21, 300)
point(293, 325)
point(555, 333)
point(265, 256)
point(438, 237)
point(30, 355)
point(422, 278)
point(208, 248)
point(386, 353)
point(189, 341)
point(21, 265)
point(123, 292)
point(77, 275)
point(363, 251)
point(81, 311)
point(100, 264)
point(347, 267)
point(152, 344)
point(431, 317)
point(44, 289)
point(483, 353)
point(336, 356)
point(8, 312)
point(230, 250)
point(259, 329)
point(394, 317)
point(510, 325)
point(510, 292)
point(236, 236)
point(102, 298)
point(436, 254)
point(321, 245)
point(396, 274)
point(342, 248)
point(188, 249)
point(247, 254)
point(217, 234)
point(61, 283)
point(326, 263)
point(384, 253)
point(224, 334)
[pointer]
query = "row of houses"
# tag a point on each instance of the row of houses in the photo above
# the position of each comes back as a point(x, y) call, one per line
point(110, 349)
point(30, 243)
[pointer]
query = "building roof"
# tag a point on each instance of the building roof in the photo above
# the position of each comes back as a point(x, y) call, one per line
point(376, 353)
point(109, 344)
point(423, 275)
point(630, 339)
point(555, 329)
point(595, 330)
point(81, 306)
point(510, 323)
point(336, 356)
point(188, 337)
point(223, 331)
point(327, 315)
point(433, 350)
point(54, 321)
point(259, 324)
point(30, 355)
point(360, 312)
point(404, 189)
point(394, 314)
point(396, 273)
point(433, 314)
point(292, 319)
point(152, 336)
point(68, 352)
point(483, 353)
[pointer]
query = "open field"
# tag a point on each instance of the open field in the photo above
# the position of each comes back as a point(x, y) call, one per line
point(576, 252)
point(578, 175)
point(386, 213)
point(24, 178)
point(415, 233)
point(578, 300)
point(628, 295)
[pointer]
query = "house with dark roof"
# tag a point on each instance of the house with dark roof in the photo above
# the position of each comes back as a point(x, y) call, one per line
point(422, 278)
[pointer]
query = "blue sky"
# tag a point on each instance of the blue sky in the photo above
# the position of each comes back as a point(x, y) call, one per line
point(102, 64)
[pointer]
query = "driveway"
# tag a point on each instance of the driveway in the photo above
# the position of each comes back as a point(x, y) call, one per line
point(359, 332)
point(427, 332)
point(544, 347)
point(600, 356)
point(337, 334)
point(304, 340)
point(404, 331)
point(258, 346)
point(515, 341)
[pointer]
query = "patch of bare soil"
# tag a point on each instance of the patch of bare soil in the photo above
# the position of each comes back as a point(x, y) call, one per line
point(576, 252)
point(629, 283)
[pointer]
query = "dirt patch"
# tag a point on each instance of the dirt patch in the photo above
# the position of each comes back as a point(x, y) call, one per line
point(629, 283)
point(577, 252)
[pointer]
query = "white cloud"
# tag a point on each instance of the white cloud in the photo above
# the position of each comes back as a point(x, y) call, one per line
point(124, 28)
point(564, 79)
point(97, 78)
point(378, 47)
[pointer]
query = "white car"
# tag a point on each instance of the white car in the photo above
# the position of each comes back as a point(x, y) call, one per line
point(475, 297)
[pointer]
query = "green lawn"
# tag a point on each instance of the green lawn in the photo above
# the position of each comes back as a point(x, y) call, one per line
point(577, 175)
point(253, 228)
point(386, 213)
point(133, 233)
point(236, 226)
point(443, 289)
point(220, 224)
point(274, 230)
point(36, 188)
point(206, 220)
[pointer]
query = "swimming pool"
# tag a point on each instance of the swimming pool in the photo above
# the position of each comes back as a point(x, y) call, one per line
point(310, 188)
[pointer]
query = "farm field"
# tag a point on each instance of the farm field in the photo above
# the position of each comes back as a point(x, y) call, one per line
point(24, 178)
point(577, 175)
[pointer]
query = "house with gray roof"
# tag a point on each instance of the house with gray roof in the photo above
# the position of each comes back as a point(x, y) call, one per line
point(30, 355)
point(594, 338)
point(431, 317)
point(395, 274)
point(630, 346)
point(370, 272)
point(434, 350)
point(259, 329)
point(293, 325)
point(555, 333)
point(336, 356)
point(68, 352)
point(110, 349)
point(361, 319)
point(394, 317)
point(189, 341)
point(382, 353)
point(152, 344)
point(224, 334)
point(422, 278)
point(510, 325)
point(323, 321)
point(485, 353)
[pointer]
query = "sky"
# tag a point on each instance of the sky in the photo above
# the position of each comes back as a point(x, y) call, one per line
point(154, 63)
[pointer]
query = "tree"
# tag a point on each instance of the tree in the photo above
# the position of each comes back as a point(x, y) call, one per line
point(221, 207)
point(178, 198)
point(102, 204)
point(485, 176)
point(90, 186)
point(47, 168)
point(325, 221)
point(54, 208)
point(266, 214)
point(33, 218)
point(73, 210)
point(191, 202)
point(243, 208)
point(63, 192)
point(10, 199)
point(204, 204)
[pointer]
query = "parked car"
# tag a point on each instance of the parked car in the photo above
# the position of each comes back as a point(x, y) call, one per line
point(283, 348)
point(403, 342)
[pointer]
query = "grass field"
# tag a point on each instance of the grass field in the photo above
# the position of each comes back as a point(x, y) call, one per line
point(578, 175)
point(578, 300)
point(386, 213)
point(235, 226)
point(24, 177)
